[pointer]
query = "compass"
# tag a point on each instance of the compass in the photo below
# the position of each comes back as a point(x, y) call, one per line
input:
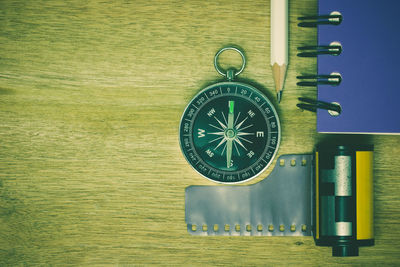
point(230, 131)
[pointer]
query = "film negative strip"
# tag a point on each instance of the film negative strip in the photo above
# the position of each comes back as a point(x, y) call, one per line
point(279, 205)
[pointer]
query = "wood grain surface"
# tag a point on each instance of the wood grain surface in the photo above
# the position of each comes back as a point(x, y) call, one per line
point(91, 94)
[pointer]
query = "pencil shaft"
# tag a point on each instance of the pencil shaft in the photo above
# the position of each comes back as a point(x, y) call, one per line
point(279, 42)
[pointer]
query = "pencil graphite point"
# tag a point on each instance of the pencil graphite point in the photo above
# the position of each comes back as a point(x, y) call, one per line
point(279, 96)
point(279, 73)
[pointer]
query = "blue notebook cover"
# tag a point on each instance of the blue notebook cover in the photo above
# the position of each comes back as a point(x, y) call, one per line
point(369, 64)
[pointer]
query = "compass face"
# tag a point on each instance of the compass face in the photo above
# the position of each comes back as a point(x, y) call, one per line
point(229, 132)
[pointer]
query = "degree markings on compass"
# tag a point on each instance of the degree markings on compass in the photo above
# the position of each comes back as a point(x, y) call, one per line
point(250, 94)
point(188, 120)
point(236, 90)
point(264, 161)
point(206, 95)
point(271, 117)
point(220, 89)
point(262, 104)
point(195, 106)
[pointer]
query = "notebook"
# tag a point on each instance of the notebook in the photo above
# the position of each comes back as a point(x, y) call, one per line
point(369, 65)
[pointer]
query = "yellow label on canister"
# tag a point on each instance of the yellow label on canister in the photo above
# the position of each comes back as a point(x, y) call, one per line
point(364, 195)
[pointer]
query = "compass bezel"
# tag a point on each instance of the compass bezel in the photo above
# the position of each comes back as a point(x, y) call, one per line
point(214, 91)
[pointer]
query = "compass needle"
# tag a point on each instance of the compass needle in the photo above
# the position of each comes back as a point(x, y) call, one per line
point(228, 153)
point(230, 131)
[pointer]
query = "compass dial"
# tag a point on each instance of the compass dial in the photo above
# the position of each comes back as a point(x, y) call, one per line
point(229, 132)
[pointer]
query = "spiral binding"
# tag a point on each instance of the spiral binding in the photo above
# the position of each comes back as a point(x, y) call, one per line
point(312, 105)
point(335, 18)
point(333, 79)
point(313, 51)
point(334, 49)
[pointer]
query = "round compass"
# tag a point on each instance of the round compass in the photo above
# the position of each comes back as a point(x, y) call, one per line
point(230, 131)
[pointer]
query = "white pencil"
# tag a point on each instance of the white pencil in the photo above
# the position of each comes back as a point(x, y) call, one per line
point(279, 43)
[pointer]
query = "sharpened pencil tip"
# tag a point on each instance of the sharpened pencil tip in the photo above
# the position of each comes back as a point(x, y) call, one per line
point(279, 96)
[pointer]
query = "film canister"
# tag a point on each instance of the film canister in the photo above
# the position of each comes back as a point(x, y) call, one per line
point(343, 198)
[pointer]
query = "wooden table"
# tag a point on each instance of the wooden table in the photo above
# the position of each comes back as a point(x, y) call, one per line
point(91, 94)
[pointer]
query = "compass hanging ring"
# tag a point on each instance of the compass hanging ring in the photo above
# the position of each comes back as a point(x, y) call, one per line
point(230, 73)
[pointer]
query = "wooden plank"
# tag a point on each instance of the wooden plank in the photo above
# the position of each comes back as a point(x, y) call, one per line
point(91, 95)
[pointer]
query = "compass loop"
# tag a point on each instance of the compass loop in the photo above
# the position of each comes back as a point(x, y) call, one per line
point(230, 73)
